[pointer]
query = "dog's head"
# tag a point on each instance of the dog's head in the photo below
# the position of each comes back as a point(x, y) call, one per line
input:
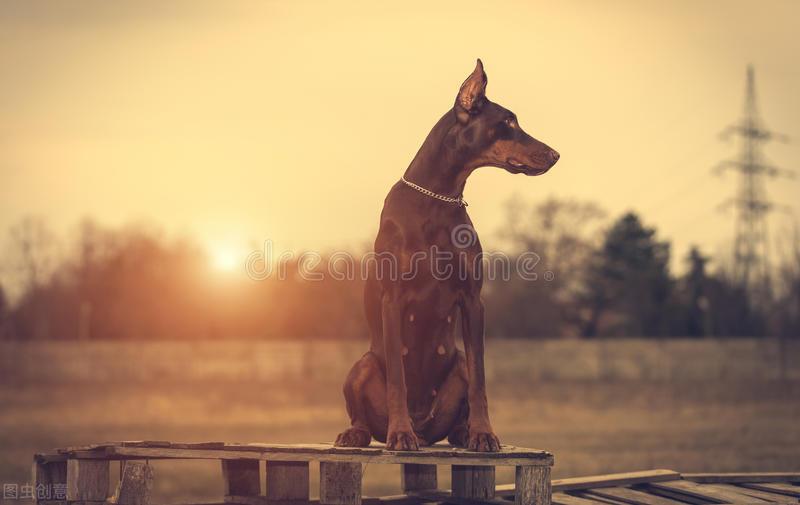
point(488, 134)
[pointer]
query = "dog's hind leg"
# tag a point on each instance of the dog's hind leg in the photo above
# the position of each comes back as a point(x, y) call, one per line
point(365, 396)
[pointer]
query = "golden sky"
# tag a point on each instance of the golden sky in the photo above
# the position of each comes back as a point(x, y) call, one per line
point(243, 121)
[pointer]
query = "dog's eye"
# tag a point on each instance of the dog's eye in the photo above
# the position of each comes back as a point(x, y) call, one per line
point(511, 122)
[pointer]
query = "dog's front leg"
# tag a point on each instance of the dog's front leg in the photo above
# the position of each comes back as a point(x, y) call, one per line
point(400, 435)
point(481, 435)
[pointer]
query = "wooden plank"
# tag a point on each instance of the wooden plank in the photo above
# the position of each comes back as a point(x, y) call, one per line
point(49, 473)
point(567, 499)
point(144, 444)
point(248, 500)
point(735, 489)
point(200, 503)
point(49, 457)
point(136, 485)
point(608, 480)
point(365, 500)
point(736, 478)
point(705, 492)
point(49, 481)
point(287, 480)
point(627, 495)
point(532, 484)
point(87, 480)
point(415, 477)
point(339, 483)
point(384, 500)
point(615, 479)
point(776, 487)
point(673, 495)
point(472, 482)
point(446, 496)
point(245, 500)
point(764, 495)
point(438, 454)
point(401, 499)
point(474, 459)
point(241, 477)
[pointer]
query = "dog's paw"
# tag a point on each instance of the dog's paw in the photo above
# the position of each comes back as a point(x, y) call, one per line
point(402, 440)
point(483, 441)
point(353, 437)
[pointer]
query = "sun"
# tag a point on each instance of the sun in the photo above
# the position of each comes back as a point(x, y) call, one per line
point(225, 259)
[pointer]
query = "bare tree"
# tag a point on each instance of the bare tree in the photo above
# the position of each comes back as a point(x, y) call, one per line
point(563, 234)
point(32, 252)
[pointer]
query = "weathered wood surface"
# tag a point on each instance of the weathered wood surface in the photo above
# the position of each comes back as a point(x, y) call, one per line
point(84, 470)
point(136, 485)
point(87, 480)
point(675, 495)
point(241, 477)
point(666, 487)
point(473, 482)
point(566, 499)
point(442, 496)
point(764, 495)
point(287, 481)
point(776, 487)
point(339, 483)
point(735, 478)
point(607, 480)
point(245, 500)
point(48, 474)
point(627, 495)
point(49, 457)
point(705, 492)
point(415, 477)
point(441, 454)
point(533, 485)
point(583, 497)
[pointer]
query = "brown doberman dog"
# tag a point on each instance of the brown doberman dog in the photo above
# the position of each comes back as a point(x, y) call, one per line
point(414, 387)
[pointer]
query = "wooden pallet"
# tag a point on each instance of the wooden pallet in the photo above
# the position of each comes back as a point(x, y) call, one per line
point(667, 487)
point(85, 472)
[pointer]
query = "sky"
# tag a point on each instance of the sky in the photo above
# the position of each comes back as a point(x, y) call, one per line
point(237, 122)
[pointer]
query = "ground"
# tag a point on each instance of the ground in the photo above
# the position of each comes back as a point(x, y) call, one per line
point(597, 421)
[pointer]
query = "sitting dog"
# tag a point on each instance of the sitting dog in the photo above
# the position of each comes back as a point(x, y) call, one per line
point(414, 387)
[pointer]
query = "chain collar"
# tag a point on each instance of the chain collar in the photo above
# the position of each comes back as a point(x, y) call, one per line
point(449, 199)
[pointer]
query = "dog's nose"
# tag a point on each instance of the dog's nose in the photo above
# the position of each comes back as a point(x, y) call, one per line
point(554, 155)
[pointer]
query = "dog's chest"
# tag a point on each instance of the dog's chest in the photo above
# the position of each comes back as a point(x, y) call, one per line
point(433, 250)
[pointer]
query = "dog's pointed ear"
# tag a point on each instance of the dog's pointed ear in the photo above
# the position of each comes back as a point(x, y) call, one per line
point(472, 93)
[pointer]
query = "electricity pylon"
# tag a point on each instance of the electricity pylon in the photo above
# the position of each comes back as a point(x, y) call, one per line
point(751, 269)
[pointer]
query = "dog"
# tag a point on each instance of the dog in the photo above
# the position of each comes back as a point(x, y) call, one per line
point(414, 387)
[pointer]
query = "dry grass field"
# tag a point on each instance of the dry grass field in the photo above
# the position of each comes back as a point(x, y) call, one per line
point(600, 407)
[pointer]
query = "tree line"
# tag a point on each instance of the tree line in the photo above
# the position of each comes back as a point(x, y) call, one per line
point(604, 278)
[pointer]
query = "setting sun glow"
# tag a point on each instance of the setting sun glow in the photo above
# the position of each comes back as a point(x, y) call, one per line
point(225, 259)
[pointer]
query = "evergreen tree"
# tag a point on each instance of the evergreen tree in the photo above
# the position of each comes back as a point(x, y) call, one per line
point(695, 288)
point(628, 284)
